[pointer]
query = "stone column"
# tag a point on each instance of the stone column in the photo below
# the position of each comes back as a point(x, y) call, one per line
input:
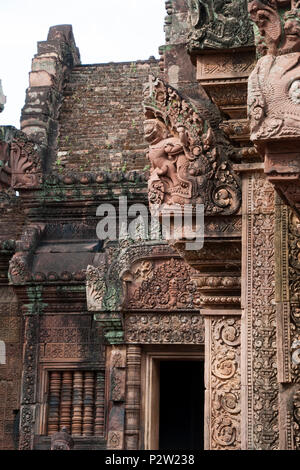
point(133, 398)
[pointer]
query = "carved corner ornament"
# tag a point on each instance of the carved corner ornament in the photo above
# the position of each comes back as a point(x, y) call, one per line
point(20, 160)
point(190, 160)
point(274, 94)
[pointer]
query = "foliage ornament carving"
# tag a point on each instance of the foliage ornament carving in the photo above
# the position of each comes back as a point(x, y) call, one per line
point(225, 384)
point(296, 415)
point(190, 162)
point(294, 288)
point(161, 286)
point(219, 24)
point(160, 328)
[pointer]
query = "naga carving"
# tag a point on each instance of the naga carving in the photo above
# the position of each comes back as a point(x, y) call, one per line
point(274, 92)
point(20, 160)
point(219, 24)
point(190, 161)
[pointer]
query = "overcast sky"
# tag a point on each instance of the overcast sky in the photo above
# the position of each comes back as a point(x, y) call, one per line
point(104, 30)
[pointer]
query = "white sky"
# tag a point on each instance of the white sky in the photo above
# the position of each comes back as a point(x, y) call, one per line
point(104, 31)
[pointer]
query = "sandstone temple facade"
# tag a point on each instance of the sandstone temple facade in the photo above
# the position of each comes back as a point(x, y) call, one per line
point(141, 343)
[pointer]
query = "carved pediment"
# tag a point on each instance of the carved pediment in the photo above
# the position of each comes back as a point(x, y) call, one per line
point(190, 161)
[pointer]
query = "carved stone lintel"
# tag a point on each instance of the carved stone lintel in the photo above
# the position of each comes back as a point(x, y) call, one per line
point(168, 328)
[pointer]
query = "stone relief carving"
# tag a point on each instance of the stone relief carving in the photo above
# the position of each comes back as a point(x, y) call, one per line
point(62, 440)
point(219, 24)
point(296, 416)
point(28, 399)
point(225, 383)
point(190, 162)
point(294, 287)
point(273, 96)
point(166, 285)
point(261, 317)
point(158, 328)
point(21, 161)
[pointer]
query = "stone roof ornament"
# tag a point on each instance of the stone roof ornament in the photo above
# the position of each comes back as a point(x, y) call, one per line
point(2, 98)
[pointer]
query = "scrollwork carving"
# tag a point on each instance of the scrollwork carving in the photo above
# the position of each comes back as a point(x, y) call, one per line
point(225, 384)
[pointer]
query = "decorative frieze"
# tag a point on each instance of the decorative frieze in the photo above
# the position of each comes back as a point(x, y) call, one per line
point(168, 328)
point(71, 337)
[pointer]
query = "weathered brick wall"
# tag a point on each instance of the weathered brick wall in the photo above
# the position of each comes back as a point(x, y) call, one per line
point(12, 219)
point(101, 119)
point(10, 367)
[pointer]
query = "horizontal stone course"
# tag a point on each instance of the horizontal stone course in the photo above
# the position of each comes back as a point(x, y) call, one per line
point(101, 118)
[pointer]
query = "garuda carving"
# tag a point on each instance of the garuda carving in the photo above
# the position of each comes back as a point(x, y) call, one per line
point(274, 85)
point(219, 24)
point(274, 94)
point(190, 161)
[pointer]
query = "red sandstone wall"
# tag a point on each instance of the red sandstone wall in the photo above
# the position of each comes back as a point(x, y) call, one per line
point(101, 119)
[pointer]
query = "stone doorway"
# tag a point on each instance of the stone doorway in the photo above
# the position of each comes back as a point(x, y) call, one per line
point(181, 410)
point(174, 400)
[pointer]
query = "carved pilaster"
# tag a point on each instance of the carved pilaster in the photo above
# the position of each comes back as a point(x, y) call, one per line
point(29, 381)
point(260, 396)
point(116, 364)
point(132, 417)
point(223, 383)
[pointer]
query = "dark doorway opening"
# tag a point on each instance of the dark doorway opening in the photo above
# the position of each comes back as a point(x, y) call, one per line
point(181, 416)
